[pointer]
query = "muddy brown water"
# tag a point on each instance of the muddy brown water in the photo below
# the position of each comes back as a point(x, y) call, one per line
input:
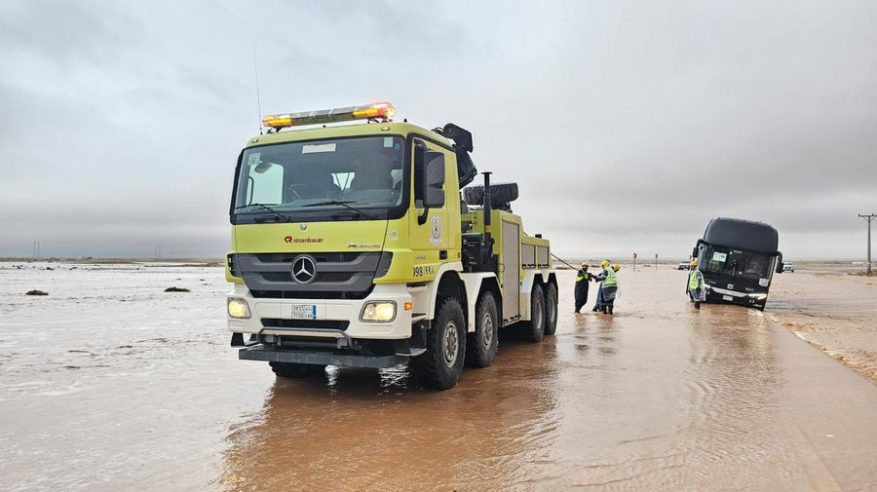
point(111, 384)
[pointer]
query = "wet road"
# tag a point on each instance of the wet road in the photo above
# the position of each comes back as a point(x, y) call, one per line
point(658, 397)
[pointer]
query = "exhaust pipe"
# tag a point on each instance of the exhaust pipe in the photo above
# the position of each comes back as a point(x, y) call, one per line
point(486, 208)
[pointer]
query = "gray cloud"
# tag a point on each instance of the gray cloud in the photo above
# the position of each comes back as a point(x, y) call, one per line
point(628, 125)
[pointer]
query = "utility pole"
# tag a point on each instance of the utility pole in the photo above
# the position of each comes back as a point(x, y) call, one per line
point(869, 218)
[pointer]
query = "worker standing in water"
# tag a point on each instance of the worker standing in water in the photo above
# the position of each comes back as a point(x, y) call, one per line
point(581, 290)
point(696, 290)
point(609, 289)
point(601, 278)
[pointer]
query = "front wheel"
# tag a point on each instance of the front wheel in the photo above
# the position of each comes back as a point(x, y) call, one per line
point(536, 325)
point(550, 309)
point(442, 363)
point(482, 345)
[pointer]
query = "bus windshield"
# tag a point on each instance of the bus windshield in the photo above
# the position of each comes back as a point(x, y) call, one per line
point(737, 263)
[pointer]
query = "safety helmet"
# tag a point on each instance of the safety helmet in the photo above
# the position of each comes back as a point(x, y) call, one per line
point(693, 263)
point(584, 265)
point(616, 266)
point(604, 263)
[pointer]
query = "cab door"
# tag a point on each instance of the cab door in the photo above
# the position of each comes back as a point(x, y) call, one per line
point(433, 235)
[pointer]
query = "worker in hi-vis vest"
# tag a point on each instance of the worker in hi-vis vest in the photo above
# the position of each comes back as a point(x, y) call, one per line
point(696, 289)
point(581, 290)
point(608, 287)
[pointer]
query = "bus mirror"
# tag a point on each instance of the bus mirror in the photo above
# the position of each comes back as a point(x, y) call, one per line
point(696, 251)
point(780, 264)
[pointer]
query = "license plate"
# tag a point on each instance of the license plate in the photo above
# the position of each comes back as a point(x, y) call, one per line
point(728, 298)
point(304, 311)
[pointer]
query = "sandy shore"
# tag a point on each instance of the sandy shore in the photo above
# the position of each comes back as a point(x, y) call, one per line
point(833, 310)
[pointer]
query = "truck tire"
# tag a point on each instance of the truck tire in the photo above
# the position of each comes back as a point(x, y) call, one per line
point(482, 345)
point(442, 363)
point(550, 309)
point(295, 371)
point(536, 325)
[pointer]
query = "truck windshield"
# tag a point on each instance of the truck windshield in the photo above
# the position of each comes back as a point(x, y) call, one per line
point(346, 173)
point(737, 263)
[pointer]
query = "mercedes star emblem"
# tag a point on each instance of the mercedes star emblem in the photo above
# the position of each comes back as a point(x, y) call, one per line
point(304, 269)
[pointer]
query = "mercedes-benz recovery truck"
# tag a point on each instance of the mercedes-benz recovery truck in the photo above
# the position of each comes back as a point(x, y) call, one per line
point(352, 246)
point(738, 259)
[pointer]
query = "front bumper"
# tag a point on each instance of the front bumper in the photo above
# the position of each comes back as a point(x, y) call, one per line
point(718, 295)
point(264, 310)
point(322, 358)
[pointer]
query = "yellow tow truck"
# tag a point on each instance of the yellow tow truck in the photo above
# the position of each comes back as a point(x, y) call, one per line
point(353, 245)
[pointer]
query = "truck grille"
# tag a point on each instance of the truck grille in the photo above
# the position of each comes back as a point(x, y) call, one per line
point(341, 275)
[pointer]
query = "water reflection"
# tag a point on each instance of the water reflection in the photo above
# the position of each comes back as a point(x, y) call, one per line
point(735, 386)
point(356, 429)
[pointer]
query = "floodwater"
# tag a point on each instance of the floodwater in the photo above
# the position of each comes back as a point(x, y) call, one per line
point(109, 383)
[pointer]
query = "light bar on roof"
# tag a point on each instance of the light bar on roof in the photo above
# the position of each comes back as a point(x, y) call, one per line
point(380, 110)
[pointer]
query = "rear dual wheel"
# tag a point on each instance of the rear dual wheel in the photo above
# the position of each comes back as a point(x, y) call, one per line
point(536, 325)
point(543, 312)
point(482, 345)
point(550, 309)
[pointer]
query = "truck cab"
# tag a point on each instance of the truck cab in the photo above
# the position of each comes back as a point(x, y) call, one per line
point(348, 249)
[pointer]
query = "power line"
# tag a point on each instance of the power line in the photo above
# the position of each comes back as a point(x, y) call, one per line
point(869, 218)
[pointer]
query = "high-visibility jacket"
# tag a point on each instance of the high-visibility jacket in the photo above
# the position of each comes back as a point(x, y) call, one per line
point(695, 280)
point(611, 280)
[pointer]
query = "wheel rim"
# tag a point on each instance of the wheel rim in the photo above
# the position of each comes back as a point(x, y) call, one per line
point(450, 344)
point(487, 330)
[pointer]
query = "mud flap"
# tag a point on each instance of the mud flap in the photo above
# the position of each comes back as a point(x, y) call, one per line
point(416, 345)
point(237, 340)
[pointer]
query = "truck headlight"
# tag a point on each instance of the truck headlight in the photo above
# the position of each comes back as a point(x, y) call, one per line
point(759, 297)
point(238, 308)
point(378, 312)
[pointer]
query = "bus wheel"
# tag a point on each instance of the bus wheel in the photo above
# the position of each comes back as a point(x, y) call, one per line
point(536, 325)
point(550, 309)
point(482, 345)
point(442, 363)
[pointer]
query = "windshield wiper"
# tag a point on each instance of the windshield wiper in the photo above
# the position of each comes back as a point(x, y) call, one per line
point(277, 215)
point(343, 203)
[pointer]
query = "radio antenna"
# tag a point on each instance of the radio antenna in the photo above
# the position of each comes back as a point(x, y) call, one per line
point(256, 73)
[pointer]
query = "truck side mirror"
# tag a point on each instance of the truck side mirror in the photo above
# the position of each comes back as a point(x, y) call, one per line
point(434, 195)
point(429, 179)
point(780, 263)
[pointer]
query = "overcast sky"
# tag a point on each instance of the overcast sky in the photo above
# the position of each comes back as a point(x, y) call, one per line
point(626, 124)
